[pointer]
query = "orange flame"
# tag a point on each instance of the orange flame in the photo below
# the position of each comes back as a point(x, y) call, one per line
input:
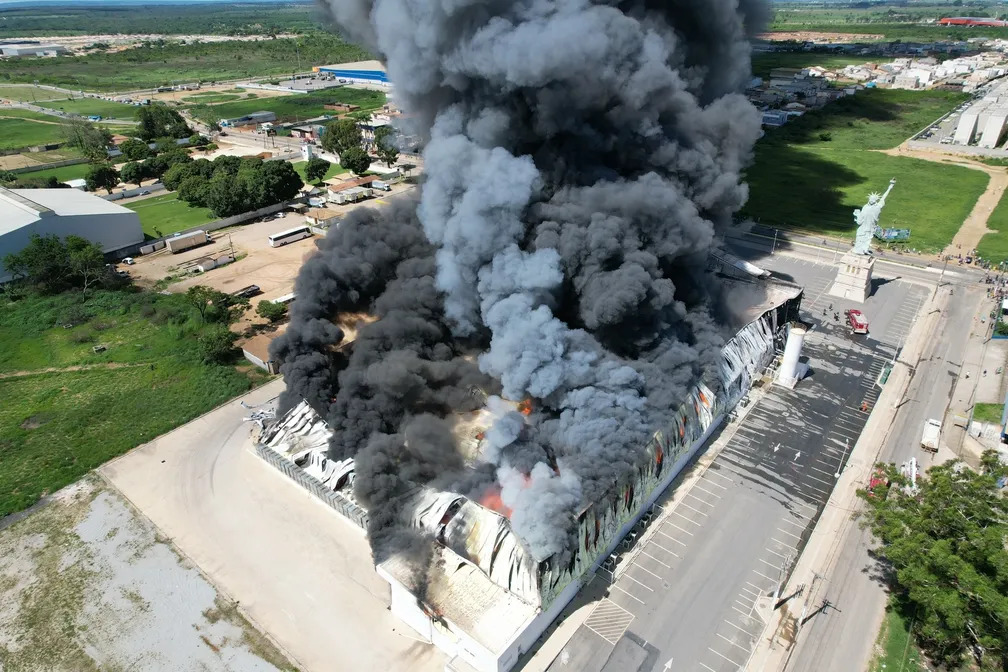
point(525, 407)
point(491, 499)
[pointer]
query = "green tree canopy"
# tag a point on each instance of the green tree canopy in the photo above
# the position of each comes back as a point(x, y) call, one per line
point(53, 265)
point(316, 169)
point(271, 311)
point(91, 140)
point(134, 150)
point(217, 345)
point(160, 121)
point(132, 173)
point(341, 135)
point(945, 542)
point(384, 144)
point(194, 190)
point(355, 159)
point(102, 176)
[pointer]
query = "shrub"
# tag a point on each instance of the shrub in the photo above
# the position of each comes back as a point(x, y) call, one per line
point(82, 336)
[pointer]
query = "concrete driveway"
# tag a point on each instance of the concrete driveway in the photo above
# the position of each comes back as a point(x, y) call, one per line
point(300, 573)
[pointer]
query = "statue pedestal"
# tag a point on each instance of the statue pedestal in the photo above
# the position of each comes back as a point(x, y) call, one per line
point(853, 281)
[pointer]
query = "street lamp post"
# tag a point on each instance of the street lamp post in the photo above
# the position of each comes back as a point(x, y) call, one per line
point(842, 458)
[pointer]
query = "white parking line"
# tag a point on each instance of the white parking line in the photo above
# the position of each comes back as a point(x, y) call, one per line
point(750, 592)
point(756, 571)
point(643, 552)
point(692, 508)
point(714, 473)
point(634, 564)
point(649, 589)
point(790, 534)
point(628, 593)
point(731, 642)
point(671, 537)
point(777, 554)
point(744, 613)
point(753, 585)
point(672, 553)
point(708, 667)
point(816, 478)
point(679, 528)
point(697, 486)
point(782, 543)
point(723, 656)
point(738, 627)
point(690, 520)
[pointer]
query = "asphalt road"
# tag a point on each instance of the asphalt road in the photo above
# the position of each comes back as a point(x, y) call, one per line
point(841, 639)
point(685, 596)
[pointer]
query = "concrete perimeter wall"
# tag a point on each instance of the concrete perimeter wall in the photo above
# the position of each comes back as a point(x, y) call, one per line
point(341, 504)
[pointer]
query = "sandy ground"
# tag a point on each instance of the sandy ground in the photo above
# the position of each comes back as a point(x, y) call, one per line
point(300, 571)
point(813, 36)
point(975, 226)
point(272, 269)
point(86, 584)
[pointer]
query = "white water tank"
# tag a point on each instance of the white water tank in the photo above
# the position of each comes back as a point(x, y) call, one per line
point(791, 370)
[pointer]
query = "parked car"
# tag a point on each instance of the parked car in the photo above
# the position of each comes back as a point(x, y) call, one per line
point(144, 192)
point(128, 261)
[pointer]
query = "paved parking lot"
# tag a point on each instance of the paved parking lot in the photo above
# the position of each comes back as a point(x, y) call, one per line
point(688, 594)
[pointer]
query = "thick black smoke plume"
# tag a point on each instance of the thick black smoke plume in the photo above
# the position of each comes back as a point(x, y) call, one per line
point(580, 158)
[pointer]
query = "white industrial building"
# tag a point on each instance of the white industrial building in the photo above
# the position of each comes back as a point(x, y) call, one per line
point(985, 122)
point(487, 600)
point(63, 212)
point(31, 49)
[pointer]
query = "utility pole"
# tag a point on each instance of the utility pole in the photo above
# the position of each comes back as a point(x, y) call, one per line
point(808, 597)
point(774, 247)
point(232, 247)
point(842, 458)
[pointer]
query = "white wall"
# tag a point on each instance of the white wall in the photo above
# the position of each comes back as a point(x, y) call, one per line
point(110, 231)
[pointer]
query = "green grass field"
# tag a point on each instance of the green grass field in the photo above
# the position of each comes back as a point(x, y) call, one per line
point(56, 426)
point(89, 106)
point(801, 179)
point(23, 128)
point(295, 107)
point(988, 413)
point(29, 93)
point(994, 246)
point(209, 98)
point(63, 173)
point(762, 64)
point(158, 63)
point(895, 651)
point(334, 170)
point(165, 214)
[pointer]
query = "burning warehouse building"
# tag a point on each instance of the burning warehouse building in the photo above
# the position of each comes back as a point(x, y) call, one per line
point(482, 597)
point(547, 346)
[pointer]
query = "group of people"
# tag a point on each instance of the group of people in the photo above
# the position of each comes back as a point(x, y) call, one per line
point(997, 286)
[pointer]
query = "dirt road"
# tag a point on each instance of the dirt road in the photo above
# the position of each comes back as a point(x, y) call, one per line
point(975, 226)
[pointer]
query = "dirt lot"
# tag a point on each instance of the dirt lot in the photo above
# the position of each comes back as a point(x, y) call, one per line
point(86, 584)
point(272, 269)
point(300, 571)
point(816, 37)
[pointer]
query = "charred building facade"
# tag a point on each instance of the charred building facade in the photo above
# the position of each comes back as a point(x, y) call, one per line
point(483, 598)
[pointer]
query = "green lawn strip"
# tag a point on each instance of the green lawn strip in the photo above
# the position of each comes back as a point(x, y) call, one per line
point(815, 171)
point(896, 651)
point(891, 31)
point(63, 173)
point(29, 93)
point(26, 132)
point(295, 107)
point(334, 170)
point(166, 214)
point(988, 413)
point(92, 106)
point(993, 247)
point(763, 63)
point(55, 426)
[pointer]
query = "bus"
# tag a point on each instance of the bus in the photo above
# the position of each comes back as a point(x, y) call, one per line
point(289, 236)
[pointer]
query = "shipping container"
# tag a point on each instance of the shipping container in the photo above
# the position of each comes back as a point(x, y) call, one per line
point(188, 241)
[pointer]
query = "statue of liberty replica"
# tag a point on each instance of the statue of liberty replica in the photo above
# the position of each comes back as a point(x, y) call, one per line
point(853, 281)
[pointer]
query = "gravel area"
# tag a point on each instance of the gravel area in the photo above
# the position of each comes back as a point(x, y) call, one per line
point(87, 584)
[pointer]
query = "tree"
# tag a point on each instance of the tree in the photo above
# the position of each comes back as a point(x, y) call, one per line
point(102, 176)
point(159, 121)
point(355, 159)
point(387, 151)
point(340, 135)
point(85, 261)
point(8, 177)
point(132, 173)
point(134, 150)
point(316, 169)
point(156, 166)
point(194, 191)
point(271, 311)
point(280, 182)
point(91, 140)
point(945, 542)
point(201, 298)
point(217, 345)
point(175, 175)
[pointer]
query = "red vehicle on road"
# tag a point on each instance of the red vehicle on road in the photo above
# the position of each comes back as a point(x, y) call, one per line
point(857, 321)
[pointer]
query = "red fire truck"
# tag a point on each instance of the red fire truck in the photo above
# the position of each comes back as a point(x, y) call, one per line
point(857, 321)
